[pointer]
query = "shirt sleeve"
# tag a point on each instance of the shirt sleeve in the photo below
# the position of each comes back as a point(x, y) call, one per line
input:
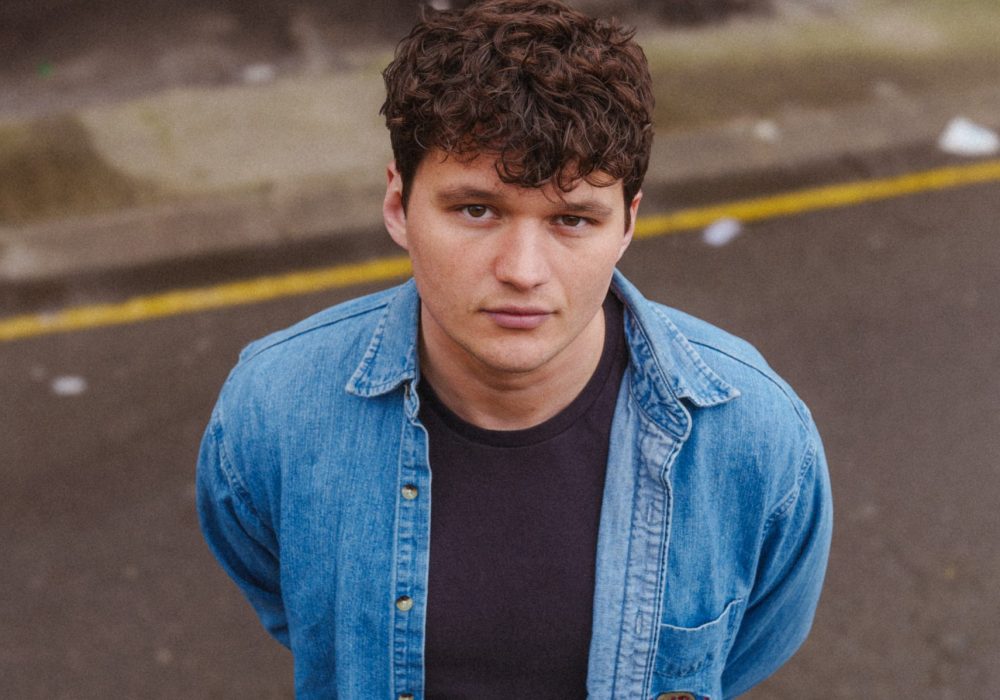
point(244, 544)
point(780, 609)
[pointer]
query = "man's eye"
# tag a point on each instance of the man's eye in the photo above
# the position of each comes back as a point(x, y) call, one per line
point(476, 211)
point(571, 221)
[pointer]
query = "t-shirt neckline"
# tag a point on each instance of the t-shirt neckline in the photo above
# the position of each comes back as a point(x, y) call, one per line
point(614, 343)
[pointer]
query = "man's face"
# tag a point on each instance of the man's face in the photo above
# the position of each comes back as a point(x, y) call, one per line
point(511, 279)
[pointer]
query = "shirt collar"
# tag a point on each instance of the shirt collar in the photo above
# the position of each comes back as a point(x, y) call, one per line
point(660, 350)
point(657, 345)
point(391, 356)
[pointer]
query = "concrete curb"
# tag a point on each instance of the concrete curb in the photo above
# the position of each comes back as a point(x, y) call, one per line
point(303, 160)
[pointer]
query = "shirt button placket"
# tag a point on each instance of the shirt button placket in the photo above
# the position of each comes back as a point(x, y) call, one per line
point(411, 514)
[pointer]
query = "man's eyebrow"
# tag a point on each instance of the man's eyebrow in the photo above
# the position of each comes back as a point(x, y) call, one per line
point(464, 195)
point(457, 195)
point(588, 207)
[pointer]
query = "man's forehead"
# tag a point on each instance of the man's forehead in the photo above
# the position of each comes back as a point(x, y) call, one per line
point(479, 172)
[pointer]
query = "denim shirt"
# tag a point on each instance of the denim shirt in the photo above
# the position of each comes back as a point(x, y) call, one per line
point(314, 492)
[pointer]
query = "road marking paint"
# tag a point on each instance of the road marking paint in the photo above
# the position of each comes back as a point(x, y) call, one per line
point(828, 197)
point(260, 289)
point(191, 300)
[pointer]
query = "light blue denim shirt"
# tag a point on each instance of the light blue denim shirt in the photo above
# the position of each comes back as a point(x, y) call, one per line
point(314, 492)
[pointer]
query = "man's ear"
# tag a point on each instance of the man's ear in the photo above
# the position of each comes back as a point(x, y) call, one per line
point(393, 213)
point(633, 211)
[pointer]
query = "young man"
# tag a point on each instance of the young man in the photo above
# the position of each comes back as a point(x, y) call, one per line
point(627, 502)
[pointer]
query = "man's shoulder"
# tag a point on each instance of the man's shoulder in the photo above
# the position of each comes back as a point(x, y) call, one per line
point(313, 355)
point(723, 351)
point(712, 340)
point(332, 324)
point(696, 352)
point(718, 348)
point(764, 394)
point(766, 431)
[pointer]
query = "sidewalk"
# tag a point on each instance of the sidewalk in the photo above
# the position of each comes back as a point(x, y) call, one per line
point(205, 171)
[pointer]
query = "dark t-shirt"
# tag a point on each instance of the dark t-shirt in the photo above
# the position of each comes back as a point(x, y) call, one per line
point(514, 521)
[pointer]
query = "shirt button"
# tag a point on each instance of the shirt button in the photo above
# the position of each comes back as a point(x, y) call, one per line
point(406, 696)
point(404, 603)
point(409, 492)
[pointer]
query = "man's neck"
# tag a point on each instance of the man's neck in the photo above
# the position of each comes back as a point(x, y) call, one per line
point(497, 400)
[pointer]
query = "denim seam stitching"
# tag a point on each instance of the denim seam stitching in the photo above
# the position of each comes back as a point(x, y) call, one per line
point(696, 666)
point(676, 409)
point(708, 375)
point(280, 341)
point(786, 503)
point(647, 681)
point(229, 471)
point(765, 374)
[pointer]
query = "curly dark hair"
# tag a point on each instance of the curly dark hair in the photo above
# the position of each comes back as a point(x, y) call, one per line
point(555, 94)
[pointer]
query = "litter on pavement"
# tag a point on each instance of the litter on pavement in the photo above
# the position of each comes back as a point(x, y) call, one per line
point(722, 232)
point(963, 137)
point(68, 386)
point(259, 73)
point(766, 130)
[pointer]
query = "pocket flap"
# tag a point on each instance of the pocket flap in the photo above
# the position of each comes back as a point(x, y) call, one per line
point(682, 652)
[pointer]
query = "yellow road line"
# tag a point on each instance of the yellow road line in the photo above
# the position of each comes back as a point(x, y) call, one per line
point(191, 300)
point(827, 197)
point(264, 288)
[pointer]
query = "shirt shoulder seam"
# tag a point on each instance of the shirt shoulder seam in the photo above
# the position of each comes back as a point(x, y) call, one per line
point(261, 346)
point(767, 375)
point(788, 501)
point(232, 475)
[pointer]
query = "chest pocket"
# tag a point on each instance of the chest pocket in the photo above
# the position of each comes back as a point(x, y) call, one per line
point(691, 659)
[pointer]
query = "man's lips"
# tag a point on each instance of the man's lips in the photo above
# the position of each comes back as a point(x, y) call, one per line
point(518, 317)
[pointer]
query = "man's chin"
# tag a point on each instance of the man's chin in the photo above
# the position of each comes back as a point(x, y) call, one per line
point(514, 361)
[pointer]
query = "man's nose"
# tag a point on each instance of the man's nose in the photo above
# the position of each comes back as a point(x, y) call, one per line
point(521, 258)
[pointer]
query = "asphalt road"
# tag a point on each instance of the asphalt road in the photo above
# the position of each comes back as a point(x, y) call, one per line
point(883, 316)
